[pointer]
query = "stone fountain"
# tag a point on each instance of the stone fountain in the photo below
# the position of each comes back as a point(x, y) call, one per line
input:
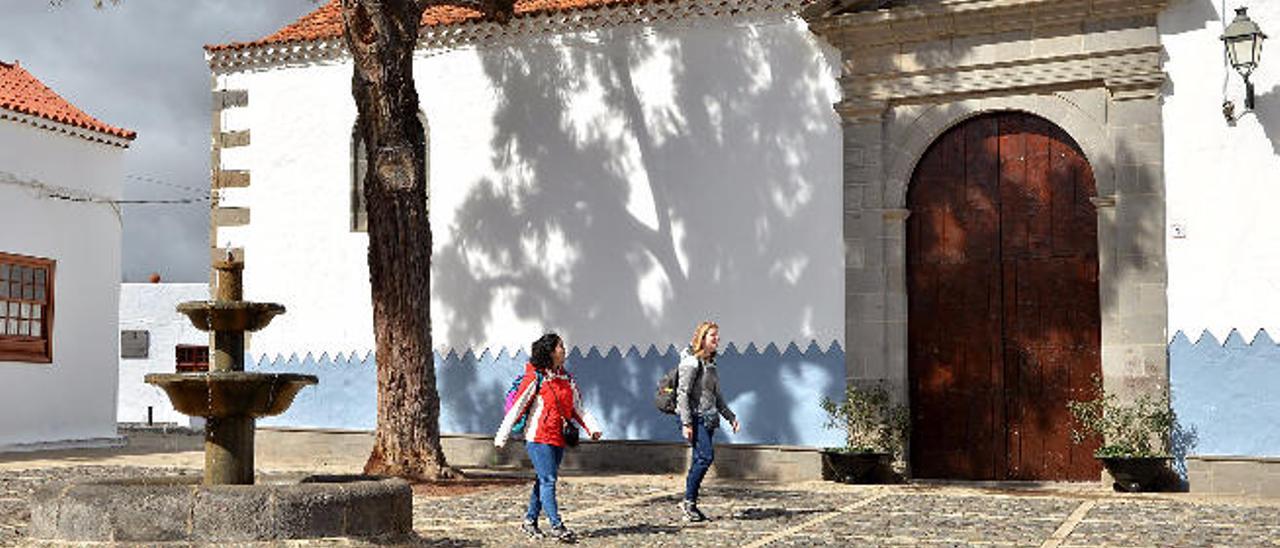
point(229, 398)
point(225, 504)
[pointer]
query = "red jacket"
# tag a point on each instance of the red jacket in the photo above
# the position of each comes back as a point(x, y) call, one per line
point(557, 400)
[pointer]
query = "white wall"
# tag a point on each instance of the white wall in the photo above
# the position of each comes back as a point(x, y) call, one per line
point(1222, 182)
point(152, 308)
point(73, 398)
point(617, 186)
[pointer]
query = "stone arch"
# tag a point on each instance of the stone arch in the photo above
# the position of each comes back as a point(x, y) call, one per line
point(934, 120)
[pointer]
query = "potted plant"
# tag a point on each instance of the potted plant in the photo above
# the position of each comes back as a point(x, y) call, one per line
point(1134, 435)
point(875, 434)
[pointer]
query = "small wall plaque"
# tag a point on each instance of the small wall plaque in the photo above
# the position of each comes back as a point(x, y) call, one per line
point(135, 344)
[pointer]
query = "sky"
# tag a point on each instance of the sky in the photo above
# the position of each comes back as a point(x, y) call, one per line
point(139, 64)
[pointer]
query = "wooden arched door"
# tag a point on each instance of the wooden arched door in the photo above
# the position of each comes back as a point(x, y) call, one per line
point(1003, 319)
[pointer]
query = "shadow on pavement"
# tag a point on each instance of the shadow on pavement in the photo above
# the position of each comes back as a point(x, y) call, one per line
point(638, 529)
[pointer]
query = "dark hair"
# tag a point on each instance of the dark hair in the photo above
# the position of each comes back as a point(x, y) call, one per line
point(540, 355)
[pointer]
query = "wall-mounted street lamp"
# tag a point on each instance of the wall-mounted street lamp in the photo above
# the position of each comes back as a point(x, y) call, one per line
point(1243, 40)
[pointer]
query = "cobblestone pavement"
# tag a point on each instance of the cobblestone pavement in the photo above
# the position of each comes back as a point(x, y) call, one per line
point(641, 511)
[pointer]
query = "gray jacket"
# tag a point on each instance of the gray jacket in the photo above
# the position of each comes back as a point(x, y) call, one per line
point(703, 399)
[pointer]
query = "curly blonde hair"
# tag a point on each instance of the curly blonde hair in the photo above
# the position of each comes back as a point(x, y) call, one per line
point(699, 335)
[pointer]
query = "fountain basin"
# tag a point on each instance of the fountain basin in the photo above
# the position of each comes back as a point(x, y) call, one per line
point(221, 394)
point(230, 315)
point(178, 508)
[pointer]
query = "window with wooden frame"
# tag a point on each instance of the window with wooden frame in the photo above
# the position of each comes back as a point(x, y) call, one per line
point(360, 166)
point(191, 358)
point(26, 309)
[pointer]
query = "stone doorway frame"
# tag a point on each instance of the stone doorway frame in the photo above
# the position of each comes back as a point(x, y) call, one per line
point(1093, 67)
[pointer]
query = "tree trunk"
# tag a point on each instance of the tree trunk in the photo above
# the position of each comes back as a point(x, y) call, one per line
point(381, 36)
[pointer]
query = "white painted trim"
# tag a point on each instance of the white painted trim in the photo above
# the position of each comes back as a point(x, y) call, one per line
point(45, 123)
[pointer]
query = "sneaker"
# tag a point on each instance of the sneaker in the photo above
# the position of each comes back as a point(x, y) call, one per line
point(531, 530)
point(563, 534)
point(691, 511)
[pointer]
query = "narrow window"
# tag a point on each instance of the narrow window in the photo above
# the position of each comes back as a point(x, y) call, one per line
point(26, 308)
point(360, 166)
point(191, 358)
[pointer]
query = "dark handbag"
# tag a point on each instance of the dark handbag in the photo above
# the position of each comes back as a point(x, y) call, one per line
point(570, 433)
point(568, 430)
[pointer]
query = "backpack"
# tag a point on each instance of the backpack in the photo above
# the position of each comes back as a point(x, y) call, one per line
point(667, 388)
point(513, 393)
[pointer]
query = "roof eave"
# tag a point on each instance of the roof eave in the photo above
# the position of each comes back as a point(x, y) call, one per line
point(122, 140)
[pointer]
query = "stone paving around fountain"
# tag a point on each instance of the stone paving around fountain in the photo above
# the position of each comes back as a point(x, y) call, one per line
point(641, 510)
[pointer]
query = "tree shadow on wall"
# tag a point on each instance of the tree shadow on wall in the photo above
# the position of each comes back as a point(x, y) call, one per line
point(642, 181)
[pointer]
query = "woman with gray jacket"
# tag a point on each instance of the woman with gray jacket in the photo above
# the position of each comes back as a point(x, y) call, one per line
point(699, 405)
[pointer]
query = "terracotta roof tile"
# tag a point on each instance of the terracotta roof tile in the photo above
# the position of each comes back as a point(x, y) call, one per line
point(22, 92)
point(326, 21)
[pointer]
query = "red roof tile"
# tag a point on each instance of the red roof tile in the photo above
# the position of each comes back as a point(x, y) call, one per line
point(326, 22)
point(22, 92)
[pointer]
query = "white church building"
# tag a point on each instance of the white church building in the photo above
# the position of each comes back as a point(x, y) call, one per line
point(981, 203)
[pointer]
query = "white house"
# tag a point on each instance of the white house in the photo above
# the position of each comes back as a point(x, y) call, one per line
point(986, 203)
point(155, 338)
point(60, 174)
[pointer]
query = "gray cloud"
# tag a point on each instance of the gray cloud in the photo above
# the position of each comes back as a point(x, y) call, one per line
point(140, 64)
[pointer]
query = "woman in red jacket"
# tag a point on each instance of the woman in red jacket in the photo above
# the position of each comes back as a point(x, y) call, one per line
point(550, 398)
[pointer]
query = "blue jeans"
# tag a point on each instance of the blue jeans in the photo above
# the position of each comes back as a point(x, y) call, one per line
point(704, 453)
point(546, 463)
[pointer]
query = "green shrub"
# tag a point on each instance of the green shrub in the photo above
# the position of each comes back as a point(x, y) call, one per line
point(870, 420)
point(1136, 429)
